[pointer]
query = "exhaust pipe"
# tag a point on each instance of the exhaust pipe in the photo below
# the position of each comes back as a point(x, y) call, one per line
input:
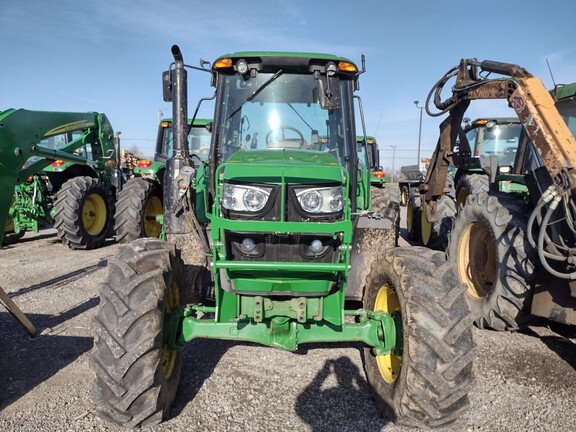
point(178, 164)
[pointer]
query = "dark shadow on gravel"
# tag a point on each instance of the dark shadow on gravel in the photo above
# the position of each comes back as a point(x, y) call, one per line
point(26, 362)
point(200, 358)
point(27, 239)
point(346, 406)
point(61, 280)
point(561, 342)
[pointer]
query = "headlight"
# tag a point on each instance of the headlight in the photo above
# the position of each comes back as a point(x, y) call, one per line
point(245, 198)
point(320, 200)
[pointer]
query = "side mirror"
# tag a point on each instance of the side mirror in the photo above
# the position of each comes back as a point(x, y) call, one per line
point(167, 86)
point(329, 92)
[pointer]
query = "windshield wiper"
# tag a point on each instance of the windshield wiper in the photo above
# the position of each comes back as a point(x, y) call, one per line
point(257, 91)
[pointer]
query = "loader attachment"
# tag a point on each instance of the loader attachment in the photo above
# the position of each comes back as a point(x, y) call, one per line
point(22, 133)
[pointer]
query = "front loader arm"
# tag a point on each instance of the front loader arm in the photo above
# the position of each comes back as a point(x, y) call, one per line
point(21, 132)
point(531, 102)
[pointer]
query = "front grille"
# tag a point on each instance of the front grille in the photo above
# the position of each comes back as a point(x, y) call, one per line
point(281, 248)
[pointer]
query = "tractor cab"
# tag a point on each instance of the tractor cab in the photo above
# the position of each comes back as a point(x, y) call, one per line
point(280, 107)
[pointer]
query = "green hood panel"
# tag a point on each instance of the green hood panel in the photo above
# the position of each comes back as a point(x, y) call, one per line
point(303, 166)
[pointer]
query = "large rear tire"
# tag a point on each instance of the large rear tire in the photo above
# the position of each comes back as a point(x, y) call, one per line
point(138, 204)
point(137, 373)
point(426, 380)
point(493, 258)
point(84, 213)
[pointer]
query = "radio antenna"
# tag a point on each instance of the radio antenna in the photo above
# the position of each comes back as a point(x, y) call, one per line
point(551, 75)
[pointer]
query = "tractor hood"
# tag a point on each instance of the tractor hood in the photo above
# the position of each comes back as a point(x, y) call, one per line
point(294, 166)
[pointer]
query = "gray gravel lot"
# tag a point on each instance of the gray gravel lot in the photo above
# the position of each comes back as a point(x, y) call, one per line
point(525, 381)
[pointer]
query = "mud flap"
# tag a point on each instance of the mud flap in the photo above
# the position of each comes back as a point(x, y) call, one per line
point(373, 235)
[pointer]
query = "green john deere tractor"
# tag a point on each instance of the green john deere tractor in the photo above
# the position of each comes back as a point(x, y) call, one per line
point(272, 240)
point(60, 169)
point(139, 208)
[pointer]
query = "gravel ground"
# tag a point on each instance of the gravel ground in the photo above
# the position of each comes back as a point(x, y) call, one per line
point(525, 381)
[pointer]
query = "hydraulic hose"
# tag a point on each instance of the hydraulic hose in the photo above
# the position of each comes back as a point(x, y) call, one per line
point(541, 235)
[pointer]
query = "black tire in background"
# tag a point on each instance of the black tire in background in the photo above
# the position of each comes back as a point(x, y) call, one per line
point(494, 259)
point(84, 211)
point(137, 372)
point(469, 184)
point(138, 204)
point(413, 217)
point(435, 234)
point(404, 195)
point(425, 381)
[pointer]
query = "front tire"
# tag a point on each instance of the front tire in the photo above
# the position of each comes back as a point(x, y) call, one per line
point(137, 373)
point(426, 380)
point(138, 204)
point(493, 258)
point(84, 213)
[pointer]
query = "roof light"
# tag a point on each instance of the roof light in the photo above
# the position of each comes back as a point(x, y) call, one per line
point(346, 67)
point(425, 160)
point(165, 124)
point(223, 63)
point(481, 122)
point(143, 163)
point(242, 66)
point(370, 141)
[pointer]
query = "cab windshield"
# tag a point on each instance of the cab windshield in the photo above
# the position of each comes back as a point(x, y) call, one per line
point(198, 141)
point(496, 140)
point(280, 111)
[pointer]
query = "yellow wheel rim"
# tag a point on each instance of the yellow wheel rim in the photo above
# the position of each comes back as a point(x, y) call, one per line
point(403, 197)
point(425, 228)
point(476, 260)
point(168, 355)
point(94, 214)
point(389, 365)
point(153, 208)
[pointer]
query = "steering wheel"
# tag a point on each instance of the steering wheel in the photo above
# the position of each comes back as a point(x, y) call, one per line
point(300, 141)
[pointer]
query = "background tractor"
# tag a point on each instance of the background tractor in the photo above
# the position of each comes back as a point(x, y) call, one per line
point(61, 169)
point(139, 209)
point(384, 194)
point(513, 237)
point(271, 240)
point(56, 167)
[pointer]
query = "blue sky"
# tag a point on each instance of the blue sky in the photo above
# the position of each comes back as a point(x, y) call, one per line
point(108, 55)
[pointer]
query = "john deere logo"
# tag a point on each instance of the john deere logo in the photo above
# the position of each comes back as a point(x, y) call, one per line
point(68, 127)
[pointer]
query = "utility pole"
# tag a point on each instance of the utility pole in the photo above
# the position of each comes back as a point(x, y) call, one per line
point(393, 147)
point(419, 129)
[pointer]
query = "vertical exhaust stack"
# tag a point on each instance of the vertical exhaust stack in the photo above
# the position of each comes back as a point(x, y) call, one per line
point(174, 211)
point(180, 105)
